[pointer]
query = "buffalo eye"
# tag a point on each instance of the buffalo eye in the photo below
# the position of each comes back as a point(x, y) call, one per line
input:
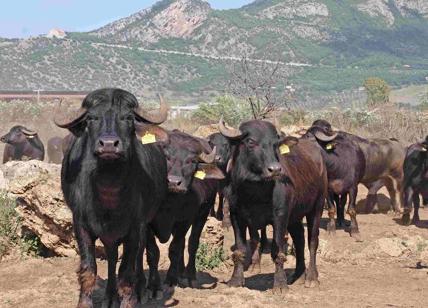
point(251, 143)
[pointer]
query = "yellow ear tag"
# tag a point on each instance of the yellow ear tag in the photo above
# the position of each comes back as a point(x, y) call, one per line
point(30, 136)
point(200, 174)
point(148, 138)
point(284, 149)
point(329, 146)
point(424, 149)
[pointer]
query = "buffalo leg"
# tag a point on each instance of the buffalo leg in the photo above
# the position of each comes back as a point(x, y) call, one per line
point(416, 205)
point(297, 233)
point(141, 278)
point(331, 226)
point(87, 272)
point(219, 214)
point(391, 186)
point(127, 270)
point(408, 198)
point(193, 245)
point(313, 222)
point(175, 253)
point(278, 253)
point(153, 254)
point(263, 239)
point(341, 203)
point(110, 298)
point(255, 248)
point(238, 256)
point(354, 231)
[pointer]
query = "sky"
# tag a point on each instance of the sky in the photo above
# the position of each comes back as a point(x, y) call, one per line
point(24, 18)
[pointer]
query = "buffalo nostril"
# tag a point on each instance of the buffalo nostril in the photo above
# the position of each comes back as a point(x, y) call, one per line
point(101, 143)
point(116, 143)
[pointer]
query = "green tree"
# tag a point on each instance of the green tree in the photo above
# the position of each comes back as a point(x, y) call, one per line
point(377, 91)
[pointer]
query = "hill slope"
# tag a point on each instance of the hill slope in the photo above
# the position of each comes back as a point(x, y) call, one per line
point(344, 42)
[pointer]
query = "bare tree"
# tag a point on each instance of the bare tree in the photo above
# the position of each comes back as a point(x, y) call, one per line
point(262, 84)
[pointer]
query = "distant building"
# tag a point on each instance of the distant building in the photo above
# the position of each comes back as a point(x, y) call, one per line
point(56, 33)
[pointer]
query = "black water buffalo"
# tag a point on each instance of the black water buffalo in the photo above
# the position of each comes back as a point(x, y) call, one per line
point(22, 144)
point(384, 165)
point(278, 181)
point(223, 152)
point(192, 182)
point(415, 179)
point(345, 164)
point(54, 149)
point(113, 180)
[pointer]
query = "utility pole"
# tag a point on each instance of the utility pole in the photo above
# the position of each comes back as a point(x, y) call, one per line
point(38, 94)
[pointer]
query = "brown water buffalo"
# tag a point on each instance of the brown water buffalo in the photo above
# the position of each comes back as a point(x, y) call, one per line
point(345, 164)
point(278, 181)
point(384, 165)
point(22, 144)
point(54, 149)
point(415, 181)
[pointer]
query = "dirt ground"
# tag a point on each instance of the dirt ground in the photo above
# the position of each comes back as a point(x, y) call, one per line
point(387, 269)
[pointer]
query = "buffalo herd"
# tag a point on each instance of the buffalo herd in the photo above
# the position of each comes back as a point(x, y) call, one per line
point(129, 181)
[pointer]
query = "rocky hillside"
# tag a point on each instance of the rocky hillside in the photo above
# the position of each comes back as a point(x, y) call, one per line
point(184, 47)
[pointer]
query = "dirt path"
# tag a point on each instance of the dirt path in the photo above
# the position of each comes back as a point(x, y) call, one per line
point(387, 269)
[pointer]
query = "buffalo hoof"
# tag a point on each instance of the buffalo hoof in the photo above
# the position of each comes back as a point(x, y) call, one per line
point(130, 301)
point(405, 219)
point(280, 287)
point(415, 220)
point(312, 283)
point(331, 228)
point(297, 277)
point(356, 235)
point(85, 302)
point(236, 282)
point(156, 294)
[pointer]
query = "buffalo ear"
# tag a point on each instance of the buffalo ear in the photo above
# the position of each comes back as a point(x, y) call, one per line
point(209, 171)
point(150, 133)
point(287, 144)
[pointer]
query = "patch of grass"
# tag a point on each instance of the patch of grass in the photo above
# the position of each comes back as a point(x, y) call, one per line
point(30, 245)
point(9, 223)
point(208, 258)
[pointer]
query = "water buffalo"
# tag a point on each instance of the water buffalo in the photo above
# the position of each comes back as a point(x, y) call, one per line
point(223, 152)
point(415, 179)
point(278, 181)
point(22, 144)
point(114, 179)
point(54, 149)
point(384, 165)
point(345, 164)
point(67, 141)
point(192, 183)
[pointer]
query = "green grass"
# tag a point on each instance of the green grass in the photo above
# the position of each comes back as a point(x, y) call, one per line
point(9, 224)
point(208, 258)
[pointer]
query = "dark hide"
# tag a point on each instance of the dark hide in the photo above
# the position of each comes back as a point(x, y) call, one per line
point(67, 141)
point(54, 150)
point(270, 188)
point(384, 165)
point(415, 181)
point(345, 164)
point(113, 185)
point(22, 146)
point(187, 205)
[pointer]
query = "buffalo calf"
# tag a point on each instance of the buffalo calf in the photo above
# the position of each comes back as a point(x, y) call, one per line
point(22, 144)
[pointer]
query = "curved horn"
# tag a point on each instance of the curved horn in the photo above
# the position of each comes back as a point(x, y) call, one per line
point(28, 132)
point(67, 119)
point(208, 158)
point(154, 116)
point(323, 137)
point(232, 133)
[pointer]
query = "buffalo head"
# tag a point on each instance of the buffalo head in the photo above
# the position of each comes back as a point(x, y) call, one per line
point(189, 158)
point(257, 149)
point(109, 118)
point(18, 135)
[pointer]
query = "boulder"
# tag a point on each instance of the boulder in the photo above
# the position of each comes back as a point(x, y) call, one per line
point(40, 203)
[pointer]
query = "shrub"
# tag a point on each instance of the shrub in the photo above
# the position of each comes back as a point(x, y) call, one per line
point(377, 91)
point(9, 223)
point(208, 258)
point(233, 111)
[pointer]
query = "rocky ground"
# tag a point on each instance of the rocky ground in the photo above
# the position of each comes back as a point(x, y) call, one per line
point(388, 269)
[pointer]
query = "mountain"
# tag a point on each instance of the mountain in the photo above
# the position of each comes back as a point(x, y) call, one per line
point(186, 48)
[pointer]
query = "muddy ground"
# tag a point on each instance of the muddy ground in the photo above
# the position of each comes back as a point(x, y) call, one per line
point(387, 269)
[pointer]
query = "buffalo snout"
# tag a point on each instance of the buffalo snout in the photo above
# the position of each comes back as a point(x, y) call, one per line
point(176, 184)
point(4, 139)
point(274, 170)
point(109, 147)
